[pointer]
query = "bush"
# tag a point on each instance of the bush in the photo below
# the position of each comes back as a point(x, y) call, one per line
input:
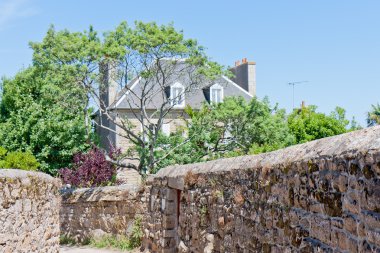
point(66, 240)
point(18, 160)
point(121, 242)
point(3, 153)
point(90, 169)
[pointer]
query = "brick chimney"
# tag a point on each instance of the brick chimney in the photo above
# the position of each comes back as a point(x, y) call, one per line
point(245, 75)
point(108, 88)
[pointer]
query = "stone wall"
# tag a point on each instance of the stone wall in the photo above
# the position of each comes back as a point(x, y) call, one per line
point(322, 196)
point(94, 212)
point(29, 212)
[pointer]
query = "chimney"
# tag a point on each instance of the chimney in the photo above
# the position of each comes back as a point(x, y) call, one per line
point(245, 75)
point(108, 88)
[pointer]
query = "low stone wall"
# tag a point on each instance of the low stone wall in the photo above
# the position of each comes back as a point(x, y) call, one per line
point(94, 212)
point(322, 196)
point(29, 212)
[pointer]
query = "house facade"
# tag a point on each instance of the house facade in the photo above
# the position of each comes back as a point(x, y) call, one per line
point(125, 104)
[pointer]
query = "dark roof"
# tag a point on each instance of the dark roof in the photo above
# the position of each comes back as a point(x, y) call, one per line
point(181, 73)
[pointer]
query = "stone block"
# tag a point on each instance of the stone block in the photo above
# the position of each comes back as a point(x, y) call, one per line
point(373, 236)
point(170, 208)
point(167, 242)
point(320, 228)
point(176, 183)
point(371, 219)
point(169, 221)
point(169, 194)
point(169, 233)
point(350, 224)
point(351, 203)
point(169, 250)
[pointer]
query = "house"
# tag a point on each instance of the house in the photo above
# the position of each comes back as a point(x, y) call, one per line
point(126, 103)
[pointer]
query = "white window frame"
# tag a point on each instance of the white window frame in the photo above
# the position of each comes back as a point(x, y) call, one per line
point(216, 87)
point(166, 129)
point(173, 99)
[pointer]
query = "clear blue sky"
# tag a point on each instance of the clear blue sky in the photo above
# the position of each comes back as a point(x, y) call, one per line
point(335, 45)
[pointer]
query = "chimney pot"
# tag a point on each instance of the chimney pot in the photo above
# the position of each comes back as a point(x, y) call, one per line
point(245, 75)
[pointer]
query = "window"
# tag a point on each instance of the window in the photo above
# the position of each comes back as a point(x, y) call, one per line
point(177, 95)
point(166, 129)
point(216, 93)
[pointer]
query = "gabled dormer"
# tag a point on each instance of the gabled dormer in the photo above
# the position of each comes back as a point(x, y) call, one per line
point(214, 93)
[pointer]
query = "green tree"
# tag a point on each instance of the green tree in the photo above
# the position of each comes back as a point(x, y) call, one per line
point(373, 117)
point(127, 52)
point(233, 127)
point(306, 124)
point(42, 114)
point(237, 127)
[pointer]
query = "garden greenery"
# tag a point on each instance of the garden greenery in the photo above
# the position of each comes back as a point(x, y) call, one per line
point(90, 169)
point(17, 160)
point(236, 127)
point(46, 115)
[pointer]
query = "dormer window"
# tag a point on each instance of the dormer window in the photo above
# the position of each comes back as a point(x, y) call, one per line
point(216, 93)
point(177, 95)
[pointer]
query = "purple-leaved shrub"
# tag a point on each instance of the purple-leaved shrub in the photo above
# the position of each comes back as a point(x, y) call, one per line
point(90, 169)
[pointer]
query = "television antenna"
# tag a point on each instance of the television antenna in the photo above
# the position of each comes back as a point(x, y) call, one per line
point(294, 84)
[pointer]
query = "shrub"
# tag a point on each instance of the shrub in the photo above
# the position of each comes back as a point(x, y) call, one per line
point(90, 169)
point(136, 233)
point(121, 242)
point(17, 160)
point(3, 153)
point(66, 240)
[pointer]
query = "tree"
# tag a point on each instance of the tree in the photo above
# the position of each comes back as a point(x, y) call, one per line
point(154, 54)
point(41, 113)
point(306, 124)
point(233, 127)
point(238, 127)
point(373, 117)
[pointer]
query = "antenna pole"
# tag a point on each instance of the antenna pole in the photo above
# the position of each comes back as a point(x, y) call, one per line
point(293, 95)
point(294, 84)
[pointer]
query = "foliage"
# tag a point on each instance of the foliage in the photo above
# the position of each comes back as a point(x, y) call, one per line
point(373, 117)
point(121, 242)
point(17, 160)
point(66, 240)
point(233, 127)
point(41, 112)
point(46, 109)
point(90, 169)
point(3, 152)
point(175, 149)
point(237, 127)
point(306, 124)
point(127, 52)
point(136, 234)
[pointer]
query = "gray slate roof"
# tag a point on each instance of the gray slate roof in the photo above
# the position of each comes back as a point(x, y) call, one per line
point(128, 99)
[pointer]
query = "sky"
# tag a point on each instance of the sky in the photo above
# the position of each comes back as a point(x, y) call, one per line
point(334, 45)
